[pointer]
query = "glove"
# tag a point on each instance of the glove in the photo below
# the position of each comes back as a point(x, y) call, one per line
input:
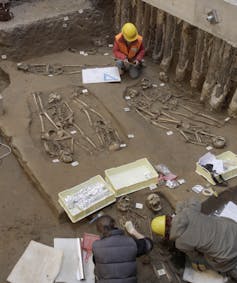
point(126, 62)
point(198, 267)
point(136, 62)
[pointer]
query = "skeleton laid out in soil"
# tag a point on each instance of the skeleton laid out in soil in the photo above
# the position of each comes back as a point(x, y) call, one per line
point(53, 69)
point(49, 69)
point(167, 111)
point(60, 131)
point(106, 134)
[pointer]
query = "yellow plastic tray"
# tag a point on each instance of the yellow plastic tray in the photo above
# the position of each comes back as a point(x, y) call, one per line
point(131, 177)
point(76, 214)
point(229, 158)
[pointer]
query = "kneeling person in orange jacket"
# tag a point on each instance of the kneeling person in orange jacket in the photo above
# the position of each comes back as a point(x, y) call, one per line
point(129, 50)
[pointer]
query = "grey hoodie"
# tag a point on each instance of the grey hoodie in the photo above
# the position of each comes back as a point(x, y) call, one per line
point(213, 237)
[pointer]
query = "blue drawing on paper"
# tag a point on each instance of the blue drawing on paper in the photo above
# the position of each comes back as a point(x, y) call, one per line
point(108, 77)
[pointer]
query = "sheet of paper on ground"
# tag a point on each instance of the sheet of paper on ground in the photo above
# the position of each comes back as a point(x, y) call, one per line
point(100, 75)
point(210, 158)
point(208, 276)
point(69, 268)
point(230, 211)
point(39, 264)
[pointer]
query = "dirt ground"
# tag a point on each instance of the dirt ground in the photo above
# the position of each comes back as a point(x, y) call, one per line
point(30, 181)
point(149, 141)
point(25, 215)
point(57, 24)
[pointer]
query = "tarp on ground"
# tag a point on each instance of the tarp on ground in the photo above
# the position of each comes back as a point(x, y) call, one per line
point(69, 270)
point(39, 264)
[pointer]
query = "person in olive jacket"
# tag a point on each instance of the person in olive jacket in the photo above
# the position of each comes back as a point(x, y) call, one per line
point(209, 241)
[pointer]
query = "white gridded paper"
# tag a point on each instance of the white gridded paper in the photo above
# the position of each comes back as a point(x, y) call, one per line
point(100, 75)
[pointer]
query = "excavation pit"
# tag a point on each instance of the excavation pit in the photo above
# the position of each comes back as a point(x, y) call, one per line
point(21, 123)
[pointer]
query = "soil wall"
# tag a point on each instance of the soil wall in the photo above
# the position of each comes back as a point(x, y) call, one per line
point(40, 27)
point(196, 13)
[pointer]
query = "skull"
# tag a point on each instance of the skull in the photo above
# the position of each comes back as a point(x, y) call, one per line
point(153, 202)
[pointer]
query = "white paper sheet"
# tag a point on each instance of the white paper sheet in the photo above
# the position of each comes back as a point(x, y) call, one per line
point(68, 272)
point(233, 2)
point(208, 276)
point(210, 158)
point(38, 264)
point(230, 211)
point(100, 75)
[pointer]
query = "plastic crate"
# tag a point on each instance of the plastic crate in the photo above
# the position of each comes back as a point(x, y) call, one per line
point(230, 160)
point(75, 213)
point(131, 177)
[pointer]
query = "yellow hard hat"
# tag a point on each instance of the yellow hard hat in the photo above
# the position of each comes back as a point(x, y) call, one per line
point(158, 225)
point(129, 32)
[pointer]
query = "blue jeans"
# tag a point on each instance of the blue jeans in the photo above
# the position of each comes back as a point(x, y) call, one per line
point(134, 71)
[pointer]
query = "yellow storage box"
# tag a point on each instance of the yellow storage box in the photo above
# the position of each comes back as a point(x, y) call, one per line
point(86, 198)
point(230, 167)
point(131, 177)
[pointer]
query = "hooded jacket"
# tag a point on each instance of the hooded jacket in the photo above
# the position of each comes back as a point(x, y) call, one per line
point(214, 237)
point(135, 51)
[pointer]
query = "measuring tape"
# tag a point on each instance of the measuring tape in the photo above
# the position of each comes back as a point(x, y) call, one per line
point(209, 192)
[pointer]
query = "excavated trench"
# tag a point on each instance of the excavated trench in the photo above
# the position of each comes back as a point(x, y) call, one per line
point(186, 56)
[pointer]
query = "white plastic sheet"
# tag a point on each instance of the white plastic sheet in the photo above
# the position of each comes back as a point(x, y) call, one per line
point(70, 264)
point(38, 264)
point(208, 276)
point(233, 2)
point(230, 211)
point(209, 158)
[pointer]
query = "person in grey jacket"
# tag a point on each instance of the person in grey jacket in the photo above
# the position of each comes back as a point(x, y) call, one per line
point(209, 241)
point(115, 253)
